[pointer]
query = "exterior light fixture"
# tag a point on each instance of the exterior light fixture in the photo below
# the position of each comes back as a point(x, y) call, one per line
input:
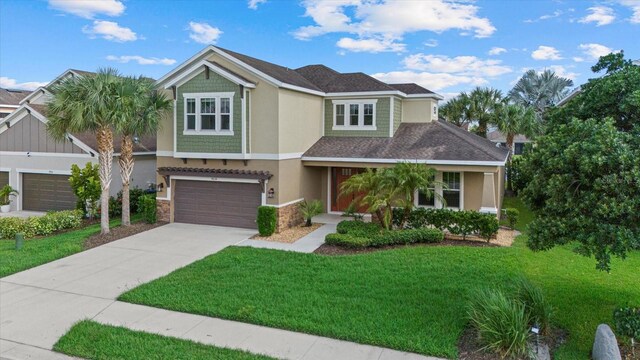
point(271, 193)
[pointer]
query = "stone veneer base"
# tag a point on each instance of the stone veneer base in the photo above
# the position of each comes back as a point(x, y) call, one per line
point(163, 208)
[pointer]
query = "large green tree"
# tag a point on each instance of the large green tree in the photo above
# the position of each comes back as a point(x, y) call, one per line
point(616, 94)
point(138, 113)
point(585, 181)
point(484, 102)
point(512, 120)
point(458, 110)
point(86, 104)
point(540, 90)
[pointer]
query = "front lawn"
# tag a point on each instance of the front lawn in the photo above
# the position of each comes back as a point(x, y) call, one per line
point(411, 298)
point(525, 217)
point(91, 340)
point(40, 251)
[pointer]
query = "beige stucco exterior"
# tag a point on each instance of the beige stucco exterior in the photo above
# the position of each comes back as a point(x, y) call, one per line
point(299, 124)
point(419, 110)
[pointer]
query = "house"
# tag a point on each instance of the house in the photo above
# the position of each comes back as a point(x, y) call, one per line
point(10, 100)
point(38, 166)
point(499, 138)
point(246, 132)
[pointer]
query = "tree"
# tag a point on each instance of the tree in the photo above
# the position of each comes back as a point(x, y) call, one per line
point(139, 112)
point(540, 90)
point(385, 188)
point(616, 94)
point(512, 120)
point(86, 104)
point(85, 183)
point(483, 104)
point(585, 181)
point(458, 110)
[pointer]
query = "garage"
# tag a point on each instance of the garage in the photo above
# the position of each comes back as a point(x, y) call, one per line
point(4, 178)
point(46, 192)
point(218, 203)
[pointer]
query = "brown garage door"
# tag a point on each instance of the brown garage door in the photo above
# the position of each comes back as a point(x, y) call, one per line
point(4, 178)
point(45, 192)
point(217, 203)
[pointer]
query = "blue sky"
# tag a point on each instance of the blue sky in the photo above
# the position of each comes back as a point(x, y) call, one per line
point(446, 46)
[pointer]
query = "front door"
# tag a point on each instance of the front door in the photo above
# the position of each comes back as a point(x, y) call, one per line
point(338, 176)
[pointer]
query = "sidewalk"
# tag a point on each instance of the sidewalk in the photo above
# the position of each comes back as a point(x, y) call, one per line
point(306, 244)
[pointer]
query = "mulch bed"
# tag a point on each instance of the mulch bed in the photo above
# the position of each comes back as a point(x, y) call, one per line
point(627, 353)
point(118, 233)
point(337, 250)
point(290, 235)
point(469, 346)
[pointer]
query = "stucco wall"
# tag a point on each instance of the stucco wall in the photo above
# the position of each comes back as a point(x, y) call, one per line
point(164, 137)
point(383, 110)
point(418, 110)
point(299, 121)
point(473, 182)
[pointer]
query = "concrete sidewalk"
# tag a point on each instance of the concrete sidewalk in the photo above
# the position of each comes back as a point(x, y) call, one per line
point(281, 344)
point(306, 244)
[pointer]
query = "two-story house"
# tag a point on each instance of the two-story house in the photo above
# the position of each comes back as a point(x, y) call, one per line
point(245, 132)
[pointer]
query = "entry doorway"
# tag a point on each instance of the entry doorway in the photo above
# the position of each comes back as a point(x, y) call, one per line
point(338, 176)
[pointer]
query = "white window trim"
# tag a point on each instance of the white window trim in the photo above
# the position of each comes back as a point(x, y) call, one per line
point(360, 103)
point(438, 190)
point(216, 96)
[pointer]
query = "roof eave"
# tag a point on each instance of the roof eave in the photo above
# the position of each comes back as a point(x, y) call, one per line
point(416, 161)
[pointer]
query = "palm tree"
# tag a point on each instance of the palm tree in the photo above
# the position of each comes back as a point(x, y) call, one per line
point(540, 90)
point(408, 178)
point(513, 119)
point(139, 112)
point(86, 104)
point(483, 104)
point(458, 110)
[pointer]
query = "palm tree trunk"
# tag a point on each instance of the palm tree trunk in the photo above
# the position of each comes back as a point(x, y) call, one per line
point(509, 139)
point(482, 128)
point(104, 136)
point(126, 168)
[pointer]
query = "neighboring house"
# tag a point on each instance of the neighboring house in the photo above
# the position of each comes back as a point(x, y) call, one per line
point(245, 132)
point(38, 166)
point(519, 141)
point(10, 100)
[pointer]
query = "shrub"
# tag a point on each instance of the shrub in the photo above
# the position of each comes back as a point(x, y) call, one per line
point(85, 184)
point(418, 218)
point(538, 309)
point(502, 323)
point(486, 225)
point(512, 215)
point(627, 322)
point(348, 241)
point(463, 223)
point(358, 228)
point(40, 225)
point(408, 236)
point(267, 219)
point(439, 218)
point(352, 212)
point(115, 206)
point(148, 209)
point(310, 209)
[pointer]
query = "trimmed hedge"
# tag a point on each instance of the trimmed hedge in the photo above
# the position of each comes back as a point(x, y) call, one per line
point(148, 208)
point(463, 222)
point(40, 225)
point(267, 220)
point(358, 234)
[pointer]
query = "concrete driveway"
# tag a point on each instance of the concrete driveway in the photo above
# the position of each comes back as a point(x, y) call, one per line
point(39, 305)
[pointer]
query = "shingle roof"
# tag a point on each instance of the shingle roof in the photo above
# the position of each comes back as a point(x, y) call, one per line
point(412, 141)
point(145, 143)
point(411, 88)
point(277, 72)
point(12, 96)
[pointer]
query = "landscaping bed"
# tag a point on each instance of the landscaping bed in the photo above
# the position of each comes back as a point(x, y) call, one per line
point(326, 249)
point(118, 233)
point(290, 235)
point(92, 340)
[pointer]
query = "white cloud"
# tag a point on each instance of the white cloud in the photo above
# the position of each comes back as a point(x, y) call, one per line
point(431, 81)
point(563, 72)
point(555, 14)
point(601, 15)
point(9, 83)
point(370, 45)
point(431, 43)
point(110, 30)
point(89, 8)
point(204, 33)
point(546, 53)
point(594, 51)
point(459, 65)
point(141, 60)
point(391, 20)
point(497, 51)
point(253, 4)
point(578, 59)
point(634, 5)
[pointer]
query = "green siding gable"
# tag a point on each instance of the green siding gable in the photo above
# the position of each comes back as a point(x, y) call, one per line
point(397, 113)
point(209, 143)
point(383, 109)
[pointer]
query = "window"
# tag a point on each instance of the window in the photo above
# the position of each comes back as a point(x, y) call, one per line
point(518, 148)
point(210, 113)
point(361, 114)
point(429, 199)
point(340, 115)
point(451, 193)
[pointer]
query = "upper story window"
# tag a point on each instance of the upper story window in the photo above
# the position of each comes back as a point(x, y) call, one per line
point(354, 114)
point(208, 113)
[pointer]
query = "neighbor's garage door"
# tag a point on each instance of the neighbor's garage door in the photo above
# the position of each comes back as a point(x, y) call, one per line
point(45, 192)
point(216, 203)
point(4, 178)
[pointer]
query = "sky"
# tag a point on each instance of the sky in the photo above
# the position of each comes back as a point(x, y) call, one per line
point(447, 46)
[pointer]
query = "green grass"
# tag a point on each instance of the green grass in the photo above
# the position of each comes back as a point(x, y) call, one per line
point(91, 340)
point(411, 299)
point(526, 216)
point(43, 250)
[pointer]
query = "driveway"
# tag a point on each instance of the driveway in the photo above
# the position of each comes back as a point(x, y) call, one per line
point(39, 305)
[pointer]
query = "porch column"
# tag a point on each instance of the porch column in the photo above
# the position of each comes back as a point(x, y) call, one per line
point(489, 194)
